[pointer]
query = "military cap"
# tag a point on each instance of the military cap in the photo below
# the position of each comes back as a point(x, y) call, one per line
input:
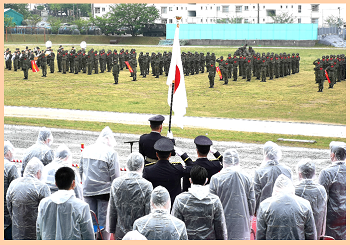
point(164, 144)
point(323, 57)
point(208, 52)
point(297, 53)
point(327, 56)
point(203, 141)
point(72, 47)
point(158, 119)
point(26, 47)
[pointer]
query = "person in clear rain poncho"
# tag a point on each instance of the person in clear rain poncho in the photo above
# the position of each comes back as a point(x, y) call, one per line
point(236, 192)
point(62, 216)
point(41, 149)
point(10, 174)
point(313, 192)
point(63, 158)
point(130, 198)
point(333, 178)
point(134, 235)
point(99, 166)
point(159, 224)
point(201, 211)
point(285, 216)
point(267, 173)
point(23, 197)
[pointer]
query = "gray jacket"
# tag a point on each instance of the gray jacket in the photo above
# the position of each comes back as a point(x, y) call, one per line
point(285, 217)
point(23, 197)
point(39, 150)
point(160, 225)
point(10, 174)
point(236, 192)
point(317, 196)
point(333, 178)
point(99, 166)
point(129, 200)
point(202, 213)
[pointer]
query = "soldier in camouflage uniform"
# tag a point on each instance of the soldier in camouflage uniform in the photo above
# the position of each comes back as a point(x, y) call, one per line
point(153, 58)
point(277, 65)
point(115, 71)
point(234, 67)
point(293, 58)
point(201, 62)
point(141, 64)
point(133, 65)
point(161, 63)
point(96, 59)
point(51, 61)
point(248, 67)
point(319, 74)
point(221, 66)
point(156, 65)
point(83, 61)
point(258, 66)
point(26, 65)
point(64, 54)
point(109, 60)
point(224, 71)
point(89, 61)
point(207, 61)
point(43, 58)
point(271, 66)
point(229, 69)
point(211, 75)
point(121, 59)
point(147, 62)
point(263, 69)
point(281, 65)
point(71, 60)
point(331, 74)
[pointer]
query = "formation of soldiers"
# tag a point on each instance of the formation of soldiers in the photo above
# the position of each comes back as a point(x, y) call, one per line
point(334, 66)
point(247, 63)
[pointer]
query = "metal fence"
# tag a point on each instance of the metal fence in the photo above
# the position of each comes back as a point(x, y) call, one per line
point(325, 31)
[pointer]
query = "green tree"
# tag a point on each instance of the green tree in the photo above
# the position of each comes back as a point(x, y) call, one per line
point(133, 16)
point(40, 7)
point(20, 8)
point(284, 18)
point(55, 24)
point(104, 24)
point(82, 25)
point(334, 21)
point(8, 21)
point(33, 20)
point(236, 20)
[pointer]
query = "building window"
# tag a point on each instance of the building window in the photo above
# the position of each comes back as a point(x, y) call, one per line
point(264, 20)
point(314, 7)
point(270, 12)
point(206, 8)
point(170, 9)
point(191, 14)
point(186, 8)
point(97, 10)
point(238, 9)
point(201, 8)
point(246, 21)
point(218, 8)
point(253, 7)
point(103, 10)
point(299, 8)
point(177, 8)
point(225, 9)
point(164, 21)
point(182, 8)
point(281, 6)
point(163, 10)
point(263, 6)
point(211, 7)
point(246, 8)
point(291, 6)
point(170, 21)
point(201, 20)
point(286, 6)
point(314, 20)
point(211, 20)
point(299, 20)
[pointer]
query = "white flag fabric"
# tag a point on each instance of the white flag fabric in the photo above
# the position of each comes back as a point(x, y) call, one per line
point(176, 74)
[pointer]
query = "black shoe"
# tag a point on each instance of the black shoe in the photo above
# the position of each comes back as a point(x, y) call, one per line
point(116, 83)
point(243, 77)
point(25, 78)
point(42, 76)
point(157, 77)
point(248, 80)
point(224, 84)
point(211, 87)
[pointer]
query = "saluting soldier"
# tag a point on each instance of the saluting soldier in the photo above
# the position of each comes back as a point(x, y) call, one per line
point(221, 65)
point(320, 74)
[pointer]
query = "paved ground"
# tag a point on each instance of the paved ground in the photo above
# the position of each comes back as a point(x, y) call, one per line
point(275, 127)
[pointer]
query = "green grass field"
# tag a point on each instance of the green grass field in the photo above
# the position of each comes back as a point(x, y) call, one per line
point(292, 98)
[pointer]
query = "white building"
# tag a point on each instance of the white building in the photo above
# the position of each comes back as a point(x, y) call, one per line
point(203, 13)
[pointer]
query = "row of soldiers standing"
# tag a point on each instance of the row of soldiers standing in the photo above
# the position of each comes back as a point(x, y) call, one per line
point(334, 65)
point(22, 60)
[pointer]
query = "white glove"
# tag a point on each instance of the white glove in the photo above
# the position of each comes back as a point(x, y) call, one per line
point(178, 151)
point(170, 135)
point(212, 150)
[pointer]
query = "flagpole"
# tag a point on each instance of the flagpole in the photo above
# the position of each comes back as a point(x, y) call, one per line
point(173, 83)
point(171, 104)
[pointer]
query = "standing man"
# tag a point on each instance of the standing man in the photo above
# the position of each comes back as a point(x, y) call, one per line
point(115, 71)
point(23, 197)
point(313, 192)
point(41, 149)
point(211, 75)
point(236, 192)
point(285, 216)
point(147, 141)
point(26, 65)
point(128, 189)
point(62, 216)
point(43, 64)
point(10, 174)
point(165, 173)
point(51, 58)
point(159, 224)
point(201, 211)
point(203, 146)
point(333, 179)
point(99, 166)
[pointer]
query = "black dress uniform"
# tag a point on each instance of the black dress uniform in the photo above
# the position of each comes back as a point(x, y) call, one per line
point(165, 173)
point(147, 141)
point(212, 166)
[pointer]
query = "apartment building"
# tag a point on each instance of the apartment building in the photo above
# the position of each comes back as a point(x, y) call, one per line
point(203, 13)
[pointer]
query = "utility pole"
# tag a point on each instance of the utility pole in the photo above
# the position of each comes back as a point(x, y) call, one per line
point(73, 12)
point(258, 13)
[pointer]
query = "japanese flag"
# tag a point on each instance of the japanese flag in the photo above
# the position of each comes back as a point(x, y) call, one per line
point(176, 74)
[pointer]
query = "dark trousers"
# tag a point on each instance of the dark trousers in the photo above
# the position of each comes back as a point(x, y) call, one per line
point(8, 233)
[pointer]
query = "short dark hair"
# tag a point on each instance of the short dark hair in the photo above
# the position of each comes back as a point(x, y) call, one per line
point(64, 177)
point(340, 153)
point(307, 169)
point(198, 175)
point(163, 155)
point(203, 149)
point(155, 126)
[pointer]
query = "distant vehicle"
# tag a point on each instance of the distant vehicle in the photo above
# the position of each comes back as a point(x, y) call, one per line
point(43, 24)
point(154, 30)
